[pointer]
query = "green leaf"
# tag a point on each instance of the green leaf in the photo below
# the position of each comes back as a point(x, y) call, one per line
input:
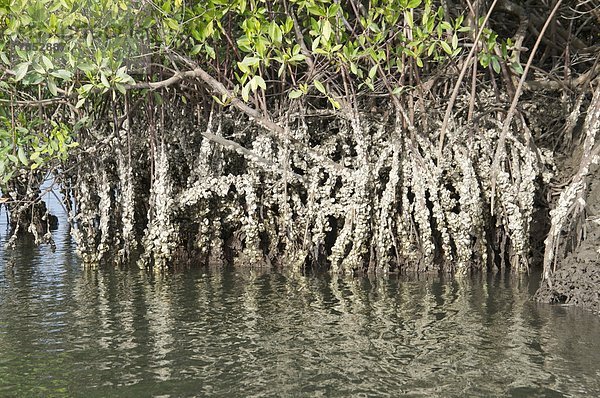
point(446, 47)
point(314, 10)
point(315, 43)
point(207, 30)
point(21, 70)
point(210, 51)
point(431, 49)
point(295, 94)
point(333, 10)
point(196, 49)
point(297, 58)
point(47, 63)
point(4, 58)
point(123, 77)
point(86, 88)
point(52, 87)
point(244, 68)
point(373, 71)
point(98, 57)
point(196, 35)
point(7, 177)
point(335, 103)
point(33, 79)
point(34, 156)
point(408, 17)
point(120, 88)
point(261, 82)
point(484, 60)
point(319, 86)
point(22, 156)
point(86, 67)
point(250, 61)
point(496, 64)
point(218, 100)
point(172, 24)
point(246, 92)
point(104, 80)
point(13, 158)
point(62, 74)
point(38, 68)
point(517, 68)
point(275, 33)
point(326, 30)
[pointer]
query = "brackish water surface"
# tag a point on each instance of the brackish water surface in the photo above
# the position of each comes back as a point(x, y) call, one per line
point(70, 331)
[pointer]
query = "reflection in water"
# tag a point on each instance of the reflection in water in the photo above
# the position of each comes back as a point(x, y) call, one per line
point(68, 331)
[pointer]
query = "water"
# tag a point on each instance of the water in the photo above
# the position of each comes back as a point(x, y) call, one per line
point(69, 331)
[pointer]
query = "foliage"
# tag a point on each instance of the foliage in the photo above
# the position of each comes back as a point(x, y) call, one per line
point(69, 50)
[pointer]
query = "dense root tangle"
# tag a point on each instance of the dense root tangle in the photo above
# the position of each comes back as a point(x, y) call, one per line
point(198, 190)
point(354, 136)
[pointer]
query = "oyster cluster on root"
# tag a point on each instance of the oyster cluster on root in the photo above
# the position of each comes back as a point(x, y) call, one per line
point(354, 191)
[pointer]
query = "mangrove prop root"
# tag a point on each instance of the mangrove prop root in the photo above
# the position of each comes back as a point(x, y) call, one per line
point(225, 189)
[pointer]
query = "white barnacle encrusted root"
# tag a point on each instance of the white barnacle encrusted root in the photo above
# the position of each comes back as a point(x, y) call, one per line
point(160, 237)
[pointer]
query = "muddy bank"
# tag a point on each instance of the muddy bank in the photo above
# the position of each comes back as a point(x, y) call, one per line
point(578, 283)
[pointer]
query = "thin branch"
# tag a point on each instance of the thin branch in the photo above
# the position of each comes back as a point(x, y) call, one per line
point(268, 165)
point(513, 106)
point(275, 129)
point(459, 81)
point(49, 101)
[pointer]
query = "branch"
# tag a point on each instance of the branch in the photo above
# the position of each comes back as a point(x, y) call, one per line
point(268, 165)
point(300, 38)
point(43, 102)
point(276, 130)
point(513, 107)
point(561, 84)
point(459, 81)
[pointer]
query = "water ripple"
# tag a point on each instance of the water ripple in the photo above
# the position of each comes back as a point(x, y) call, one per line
point(69, 331)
